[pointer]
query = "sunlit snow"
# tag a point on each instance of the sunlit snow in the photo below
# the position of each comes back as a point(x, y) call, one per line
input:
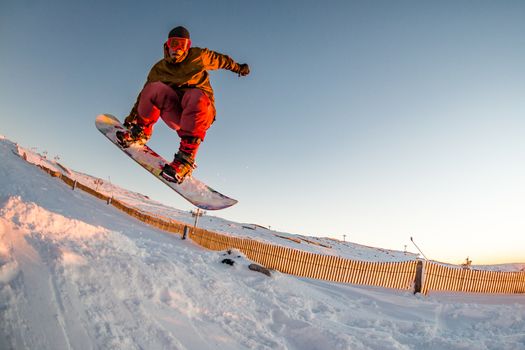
point(76, 273)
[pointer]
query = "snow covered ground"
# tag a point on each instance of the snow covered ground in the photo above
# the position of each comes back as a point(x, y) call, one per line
point(76, 273)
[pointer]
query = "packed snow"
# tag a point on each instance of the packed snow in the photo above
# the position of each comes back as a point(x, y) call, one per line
point(75, 273)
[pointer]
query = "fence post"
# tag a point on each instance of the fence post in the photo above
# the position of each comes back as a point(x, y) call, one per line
point(418, 283)
point(185, 232)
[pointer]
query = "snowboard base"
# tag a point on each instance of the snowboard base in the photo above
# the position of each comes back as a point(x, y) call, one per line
point(193, 190)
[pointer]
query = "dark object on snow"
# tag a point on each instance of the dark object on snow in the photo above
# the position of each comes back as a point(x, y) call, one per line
point(228, 261)
point(230, 252)
point(261, 269)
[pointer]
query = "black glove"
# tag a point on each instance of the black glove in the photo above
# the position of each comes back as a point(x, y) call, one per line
point(244, 70)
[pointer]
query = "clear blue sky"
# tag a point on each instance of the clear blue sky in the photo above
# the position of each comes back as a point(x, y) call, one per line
point(379, 120)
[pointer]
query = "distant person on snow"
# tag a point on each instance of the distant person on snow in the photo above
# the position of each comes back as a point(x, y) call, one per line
point(178, 90)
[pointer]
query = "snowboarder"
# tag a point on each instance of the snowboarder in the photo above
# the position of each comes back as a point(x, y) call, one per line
point(178, 90)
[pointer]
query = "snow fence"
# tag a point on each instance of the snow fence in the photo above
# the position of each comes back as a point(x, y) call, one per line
point(416, 275)
point(398, 275)
point(439, 277)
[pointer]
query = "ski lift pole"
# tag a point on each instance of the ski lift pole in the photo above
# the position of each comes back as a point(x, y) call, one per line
point(412, 239)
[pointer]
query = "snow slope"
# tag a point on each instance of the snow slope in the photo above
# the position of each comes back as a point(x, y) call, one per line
point(76, 273)
point(319, 245)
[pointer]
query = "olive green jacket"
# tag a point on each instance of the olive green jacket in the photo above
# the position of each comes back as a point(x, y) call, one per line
point(192, 72)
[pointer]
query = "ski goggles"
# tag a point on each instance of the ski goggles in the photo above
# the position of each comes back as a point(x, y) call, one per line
point(175, 43)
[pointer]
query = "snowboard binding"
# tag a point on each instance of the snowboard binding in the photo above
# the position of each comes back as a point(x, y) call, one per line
point(134, 134)
point(181, 168)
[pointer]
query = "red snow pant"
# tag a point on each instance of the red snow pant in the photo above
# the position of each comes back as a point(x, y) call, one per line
point(189, 112)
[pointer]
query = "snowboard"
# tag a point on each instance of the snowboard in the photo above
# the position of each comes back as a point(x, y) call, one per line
point(193, 190)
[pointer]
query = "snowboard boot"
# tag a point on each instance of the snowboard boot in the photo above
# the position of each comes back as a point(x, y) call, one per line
point(135, 134)
point(184, 162)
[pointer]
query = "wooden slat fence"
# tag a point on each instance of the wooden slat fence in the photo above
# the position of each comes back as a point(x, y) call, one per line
point(397, 275)
point(438, 277)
